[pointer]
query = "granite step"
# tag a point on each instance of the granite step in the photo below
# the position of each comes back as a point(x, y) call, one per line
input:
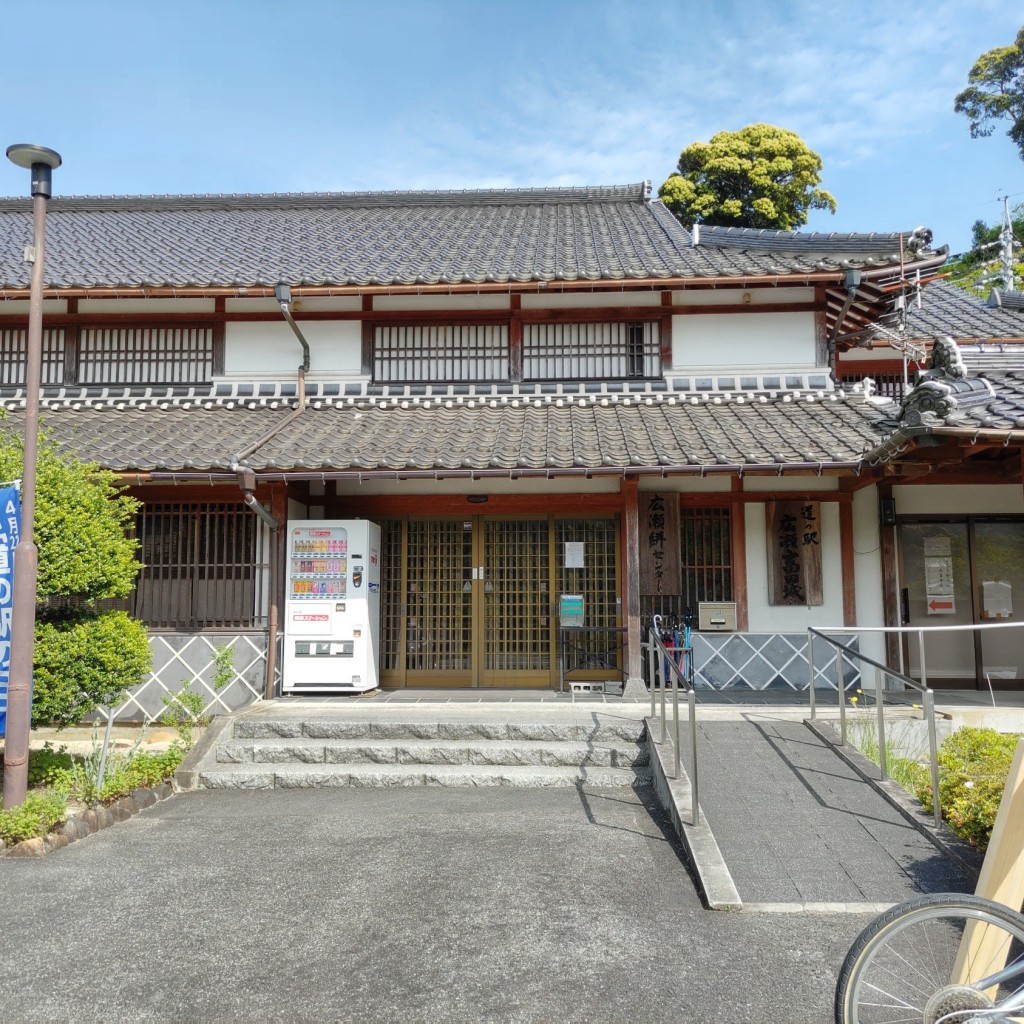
point(298, 776)
point(431, 729)
point(548, 753)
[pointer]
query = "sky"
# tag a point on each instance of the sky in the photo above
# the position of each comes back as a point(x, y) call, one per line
point(201, 96)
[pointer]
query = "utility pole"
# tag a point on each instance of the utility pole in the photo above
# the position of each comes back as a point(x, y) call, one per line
point(1006, 246)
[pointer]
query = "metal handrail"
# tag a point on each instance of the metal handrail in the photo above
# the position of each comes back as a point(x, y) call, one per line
point(658, 657)
point(921, 630)
point(927, 693)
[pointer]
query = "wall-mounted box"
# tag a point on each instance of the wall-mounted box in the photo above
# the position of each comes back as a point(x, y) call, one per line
point(717, 617)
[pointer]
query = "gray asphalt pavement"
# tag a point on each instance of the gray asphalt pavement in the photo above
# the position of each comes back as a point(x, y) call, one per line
point(397, 905)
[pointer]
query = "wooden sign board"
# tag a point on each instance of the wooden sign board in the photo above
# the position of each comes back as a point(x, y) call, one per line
point(659, 545)
point(794, 553)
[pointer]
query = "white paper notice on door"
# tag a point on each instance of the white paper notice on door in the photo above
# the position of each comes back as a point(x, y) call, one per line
point(996, 599)
point(938, 575)
point(574, 554)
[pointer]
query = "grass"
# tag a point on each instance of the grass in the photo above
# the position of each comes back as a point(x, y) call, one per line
point(973, 767)
point(59, 782)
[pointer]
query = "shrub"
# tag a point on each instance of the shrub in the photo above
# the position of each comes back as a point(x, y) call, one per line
point(84, 661)
point(37, 816)
point(973, 767)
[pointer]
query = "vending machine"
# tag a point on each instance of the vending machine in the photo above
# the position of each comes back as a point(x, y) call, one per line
point(332, 607)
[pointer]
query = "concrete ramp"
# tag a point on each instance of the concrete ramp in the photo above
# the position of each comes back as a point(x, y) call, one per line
point(797, 828)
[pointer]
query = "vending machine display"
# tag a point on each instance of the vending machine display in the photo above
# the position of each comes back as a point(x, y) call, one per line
point(332, 606)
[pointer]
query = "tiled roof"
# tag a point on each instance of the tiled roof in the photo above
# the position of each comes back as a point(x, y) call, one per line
point(393, 239)
point(1006, 299)
point(948, 311)
point(841, 248)
point(497, 435)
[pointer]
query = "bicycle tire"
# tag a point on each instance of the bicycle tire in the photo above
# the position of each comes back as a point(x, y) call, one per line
point(880, 983)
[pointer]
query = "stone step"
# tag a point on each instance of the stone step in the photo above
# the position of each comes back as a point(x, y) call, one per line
point(430, 729)
point(295, 776)
point(433, 752)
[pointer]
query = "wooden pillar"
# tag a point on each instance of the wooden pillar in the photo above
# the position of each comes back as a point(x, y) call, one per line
point(631, 587)
point(890, 595)
point(846, 559)
point(279, 510)
point(738, 542)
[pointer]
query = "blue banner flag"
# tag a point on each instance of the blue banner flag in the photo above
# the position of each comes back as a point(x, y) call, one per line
point(10, 530)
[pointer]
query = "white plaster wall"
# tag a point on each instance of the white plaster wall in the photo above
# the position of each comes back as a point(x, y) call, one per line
point(19, 307)
point(590, 300)
point(751, 340)
point(491, 485)
point(459, 301)
point(146, 305)
point(270, 349)
point(734, 296)
point(975, 499)
point(791, 483)
point(268, 304)
point(720, 484)
point(765, 618)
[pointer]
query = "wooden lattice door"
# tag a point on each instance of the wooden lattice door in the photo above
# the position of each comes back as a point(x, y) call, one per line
point(518, 641)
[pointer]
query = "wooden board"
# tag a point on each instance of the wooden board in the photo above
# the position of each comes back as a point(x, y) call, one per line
point(659, 544)
point(1001, 878)
point(794, 553)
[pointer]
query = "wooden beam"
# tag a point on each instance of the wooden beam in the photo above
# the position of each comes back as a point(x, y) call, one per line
point(847, 562)
point(515, 340)
point(71, 345)
point(666, 332)
point(690, 499)
point(631, 550)
point(820, 329)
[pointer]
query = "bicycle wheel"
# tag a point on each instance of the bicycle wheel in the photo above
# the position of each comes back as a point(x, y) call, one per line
point(922, 961)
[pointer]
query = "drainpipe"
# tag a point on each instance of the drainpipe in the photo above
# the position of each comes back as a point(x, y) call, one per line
point(852, 283)
point(283, 294)
point(247, 482)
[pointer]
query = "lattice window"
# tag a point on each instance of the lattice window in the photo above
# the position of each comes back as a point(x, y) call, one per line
point(888, 385)
point(705, 555)
point(597, 580)
point(13, 346)
point(391, 592)
point(206, 565)
point(440, 352)
point(145, 355)
point(598, 351)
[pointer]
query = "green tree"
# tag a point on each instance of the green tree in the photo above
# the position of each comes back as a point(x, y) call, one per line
point(996, 92)
point(758, 177)
point(86, 656)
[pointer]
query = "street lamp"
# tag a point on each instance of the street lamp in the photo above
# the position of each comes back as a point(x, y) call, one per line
point(41, 161)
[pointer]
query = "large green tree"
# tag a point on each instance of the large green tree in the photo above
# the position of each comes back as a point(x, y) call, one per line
point(759, 177)
point(86, 655)
point(996, 92)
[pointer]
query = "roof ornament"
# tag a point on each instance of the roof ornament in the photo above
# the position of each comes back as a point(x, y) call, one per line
point(920, 240)
point(944, 389)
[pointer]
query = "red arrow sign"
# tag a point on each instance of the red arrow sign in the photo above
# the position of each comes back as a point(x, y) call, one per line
point(936, 605)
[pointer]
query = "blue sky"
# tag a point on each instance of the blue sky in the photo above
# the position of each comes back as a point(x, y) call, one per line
point(327, 95)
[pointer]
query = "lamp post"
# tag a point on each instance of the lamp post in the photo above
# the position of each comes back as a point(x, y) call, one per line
point(41, 161)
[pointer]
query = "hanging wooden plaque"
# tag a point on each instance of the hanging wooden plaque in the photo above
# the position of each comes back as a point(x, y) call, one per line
point(794, 553)
point(659, 545)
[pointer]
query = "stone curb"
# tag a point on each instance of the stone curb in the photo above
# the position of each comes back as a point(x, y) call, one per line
point(202, 754)
point(896, 796)
point(676, 797)
point(79, 826)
